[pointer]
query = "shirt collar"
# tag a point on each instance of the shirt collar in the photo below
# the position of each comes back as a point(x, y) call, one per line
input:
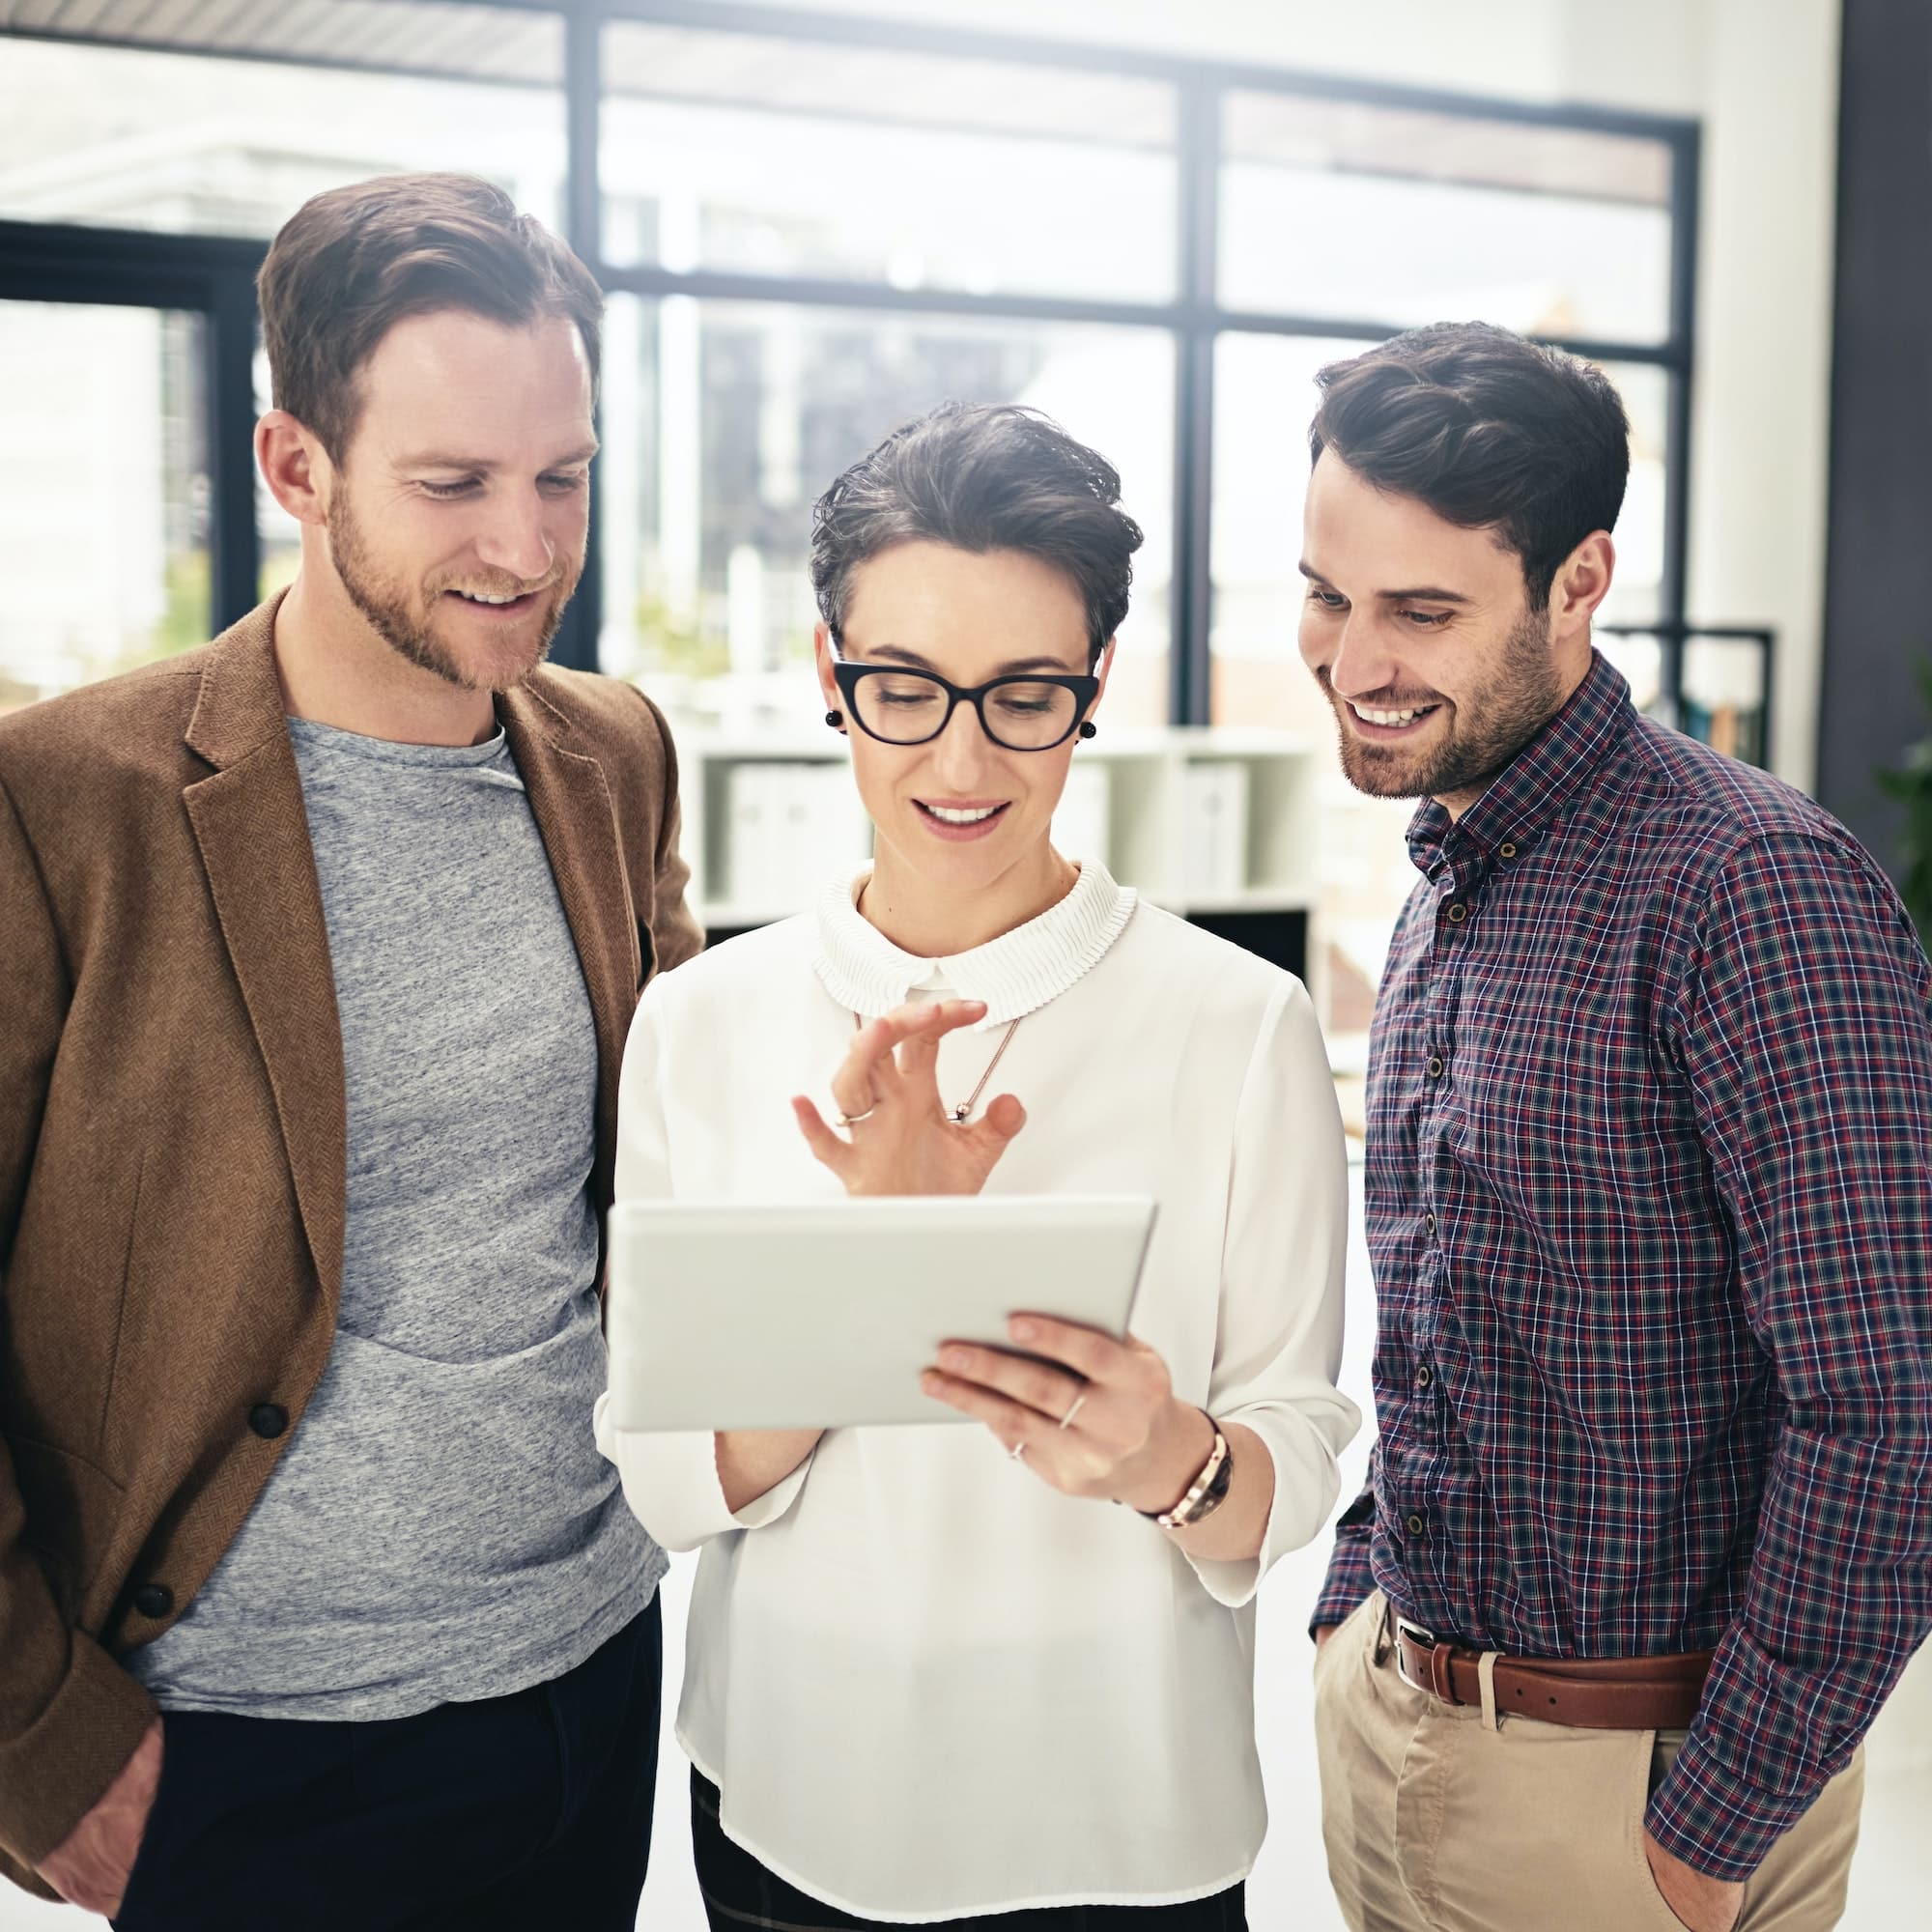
point(1015, 974)
point(1535, 786)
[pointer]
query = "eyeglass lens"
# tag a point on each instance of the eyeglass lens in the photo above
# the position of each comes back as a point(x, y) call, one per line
point(908, 707)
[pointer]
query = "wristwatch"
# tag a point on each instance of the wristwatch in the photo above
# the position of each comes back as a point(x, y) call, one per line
point(1207, 1493)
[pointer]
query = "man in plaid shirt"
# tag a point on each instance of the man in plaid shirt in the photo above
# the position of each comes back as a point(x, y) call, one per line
point(1648, 1533)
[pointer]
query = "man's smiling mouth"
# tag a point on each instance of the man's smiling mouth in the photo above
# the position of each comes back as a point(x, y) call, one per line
point(1377, 719)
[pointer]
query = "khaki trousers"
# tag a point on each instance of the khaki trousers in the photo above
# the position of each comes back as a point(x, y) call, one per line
point(1438, 1820)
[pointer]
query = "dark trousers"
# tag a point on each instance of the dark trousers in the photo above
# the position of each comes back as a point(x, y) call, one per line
point(740, 1895)
point(515, 1812)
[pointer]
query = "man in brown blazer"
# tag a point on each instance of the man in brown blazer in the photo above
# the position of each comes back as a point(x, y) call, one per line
point(317, 948)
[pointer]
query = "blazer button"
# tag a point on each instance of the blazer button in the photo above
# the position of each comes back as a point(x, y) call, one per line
point(154, 1599)
point(268, 1419)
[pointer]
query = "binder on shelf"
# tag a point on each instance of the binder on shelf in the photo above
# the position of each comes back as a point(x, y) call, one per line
point(789, 827)
point(1215, 828)
point(1082, 822)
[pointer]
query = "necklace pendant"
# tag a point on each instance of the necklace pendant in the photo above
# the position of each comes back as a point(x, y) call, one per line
point(960, 1113)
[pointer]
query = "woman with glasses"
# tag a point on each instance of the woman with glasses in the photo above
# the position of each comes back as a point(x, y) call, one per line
point(936, 1675)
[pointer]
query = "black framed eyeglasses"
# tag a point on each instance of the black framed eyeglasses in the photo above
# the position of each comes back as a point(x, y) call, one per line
point(1029, 713)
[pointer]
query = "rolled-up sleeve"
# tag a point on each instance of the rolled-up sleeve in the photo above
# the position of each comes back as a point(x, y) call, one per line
point(671, 1479)
point(1805, 1035)
point(1351, 1574)
point(1278, 1348)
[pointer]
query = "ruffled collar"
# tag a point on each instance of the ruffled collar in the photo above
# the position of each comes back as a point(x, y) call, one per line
point(1015, 974)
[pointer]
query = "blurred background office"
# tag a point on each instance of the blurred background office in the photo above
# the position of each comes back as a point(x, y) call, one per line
point(1154, 220)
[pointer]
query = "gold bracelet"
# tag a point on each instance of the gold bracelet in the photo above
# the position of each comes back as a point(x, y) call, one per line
point(1207, 1490)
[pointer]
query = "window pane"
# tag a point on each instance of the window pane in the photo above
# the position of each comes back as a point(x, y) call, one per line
point(103, 542)
point(723, 422)
point(276, 532)
point(1382, 215)
point(736, 153)
point(1264, 399)
point(1637, 590)
point(193, 144)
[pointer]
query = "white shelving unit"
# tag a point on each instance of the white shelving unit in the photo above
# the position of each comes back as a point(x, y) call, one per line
point(1264, 862)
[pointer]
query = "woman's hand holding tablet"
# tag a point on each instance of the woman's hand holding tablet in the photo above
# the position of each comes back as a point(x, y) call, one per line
point(1095, 1417)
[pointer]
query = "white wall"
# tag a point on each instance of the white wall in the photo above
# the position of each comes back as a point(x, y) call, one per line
point(1762, 76)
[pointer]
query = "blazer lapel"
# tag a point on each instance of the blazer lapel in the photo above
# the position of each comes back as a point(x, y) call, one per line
point(253, 833)
point(573, 813)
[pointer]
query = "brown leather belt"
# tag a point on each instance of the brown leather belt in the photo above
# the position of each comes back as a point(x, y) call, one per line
point(1633, 1693)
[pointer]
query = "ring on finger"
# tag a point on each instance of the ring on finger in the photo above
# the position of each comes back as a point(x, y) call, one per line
point(1016, 1453)
point(1079, 1402)
point(853, 1120)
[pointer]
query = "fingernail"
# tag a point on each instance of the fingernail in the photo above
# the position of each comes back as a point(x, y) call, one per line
point(1023, 1330)
point(952, 1358)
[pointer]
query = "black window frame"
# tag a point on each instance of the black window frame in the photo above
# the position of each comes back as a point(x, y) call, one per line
point(53, 262)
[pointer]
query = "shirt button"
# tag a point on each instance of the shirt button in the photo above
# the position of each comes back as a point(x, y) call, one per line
point(1507, 849)
point(154, 1599)
point(1435, 1068)
point(1413, 1523)
point(268, 1419)
point(1457, 913)
point(1424, 1376)
point(1430, 1224)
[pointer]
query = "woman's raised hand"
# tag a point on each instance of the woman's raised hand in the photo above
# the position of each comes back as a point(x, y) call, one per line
point(901, 1139)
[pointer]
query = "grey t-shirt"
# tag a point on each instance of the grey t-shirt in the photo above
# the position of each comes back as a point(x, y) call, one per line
point(441, 1526)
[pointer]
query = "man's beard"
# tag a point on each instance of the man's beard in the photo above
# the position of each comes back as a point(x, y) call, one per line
point(1487, 728)
point(386, 606)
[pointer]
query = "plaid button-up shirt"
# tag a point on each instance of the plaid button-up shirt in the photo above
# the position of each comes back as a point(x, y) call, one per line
point(1649, 1201)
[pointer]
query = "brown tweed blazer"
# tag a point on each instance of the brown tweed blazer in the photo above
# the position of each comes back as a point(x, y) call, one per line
point(172, 1162)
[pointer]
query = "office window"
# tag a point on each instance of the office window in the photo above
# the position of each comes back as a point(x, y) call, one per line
point(1399, 216)
point(1264, 397)
point(277, 534)
point(1637, 590)
point(730, 151)
point(103, 469)
point(192, 143)
point(723, 423)
point(809, 240)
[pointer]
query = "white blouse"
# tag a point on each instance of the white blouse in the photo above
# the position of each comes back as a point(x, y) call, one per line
point(928, 1684)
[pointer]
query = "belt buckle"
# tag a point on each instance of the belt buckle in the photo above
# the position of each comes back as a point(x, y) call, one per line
point(1406, 1626)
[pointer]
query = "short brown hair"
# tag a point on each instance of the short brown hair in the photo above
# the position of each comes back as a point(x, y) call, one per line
point(1490, 430)
point(982, 476)
point(352, 263)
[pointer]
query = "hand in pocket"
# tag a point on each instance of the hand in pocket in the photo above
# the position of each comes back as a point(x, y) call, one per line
point(1700, 1903)
point(91, 1867)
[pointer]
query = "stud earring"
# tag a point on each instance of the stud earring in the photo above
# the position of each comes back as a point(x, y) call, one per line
point(1089, 730)
point(834, 719)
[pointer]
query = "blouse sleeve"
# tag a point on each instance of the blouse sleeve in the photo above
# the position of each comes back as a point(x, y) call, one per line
point(1279, 1345)
point(671, 1479)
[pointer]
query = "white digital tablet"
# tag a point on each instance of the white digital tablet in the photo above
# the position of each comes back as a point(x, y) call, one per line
point(822, 1316)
